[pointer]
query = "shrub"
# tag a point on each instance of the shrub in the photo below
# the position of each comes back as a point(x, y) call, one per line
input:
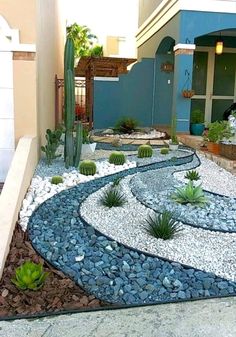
point(218, 131)
point(190, 194)
point(56, 180)
point(163, 226)
point(29, 276)
point(117, 158)
point(112, 198)
point(126, 125)
point(192, 175)
point(197, 116)
point(145, 151)
point(164, 150)
point(87, 168)
point(53, 141)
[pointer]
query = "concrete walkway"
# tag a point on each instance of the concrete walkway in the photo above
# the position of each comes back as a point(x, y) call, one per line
point(206, 318)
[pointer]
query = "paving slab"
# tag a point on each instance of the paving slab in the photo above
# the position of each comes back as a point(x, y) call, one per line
point(205, 318)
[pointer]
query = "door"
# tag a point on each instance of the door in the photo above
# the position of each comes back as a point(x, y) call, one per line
point(214, 82)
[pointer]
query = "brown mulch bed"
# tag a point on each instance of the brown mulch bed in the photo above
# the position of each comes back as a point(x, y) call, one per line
point(58, 294)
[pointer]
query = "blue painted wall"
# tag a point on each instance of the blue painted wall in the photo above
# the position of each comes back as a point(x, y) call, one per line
point(163, 91)
point(131, 96)
point(193, 24)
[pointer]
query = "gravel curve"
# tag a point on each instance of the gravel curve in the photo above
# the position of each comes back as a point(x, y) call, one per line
point(202, 249)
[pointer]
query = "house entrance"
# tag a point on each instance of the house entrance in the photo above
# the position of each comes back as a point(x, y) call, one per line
point(214, 82)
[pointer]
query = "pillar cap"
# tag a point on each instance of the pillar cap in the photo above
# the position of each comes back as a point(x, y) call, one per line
point(186, 46)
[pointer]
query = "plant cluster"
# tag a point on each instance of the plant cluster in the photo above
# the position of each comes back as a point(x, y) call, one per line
point(145, 151)
point(218, 131)
point(29, 276)
point(163, 226)
point(197, 116)
point(53, 141)
point(117, 158)
point(192, 175)
point(190, 194)
point(112, 197)
point(87, 168)
point(164, 150)
point(126, 125)
point(56, 180)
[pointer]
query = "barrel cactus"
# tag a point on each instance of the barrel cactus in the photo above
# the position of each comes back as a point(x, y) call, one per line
point(164, 150)
point(56, 180)
point(87, 168)
point(145, 151)
point(117, 158)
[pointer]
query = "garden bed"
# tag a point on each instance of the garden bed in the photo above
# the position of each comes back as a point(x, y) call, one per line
point(107, 253)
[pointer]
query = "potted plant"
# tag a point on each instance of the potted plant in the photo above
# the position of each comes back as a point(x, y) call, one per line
point(228, 147)
point(218, 131)
point(173, 143)
point(87, 146)
point(197, 122)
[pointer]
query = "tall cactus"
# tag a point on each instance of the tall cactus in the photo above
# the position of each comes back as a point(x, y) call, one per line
point(73, 146)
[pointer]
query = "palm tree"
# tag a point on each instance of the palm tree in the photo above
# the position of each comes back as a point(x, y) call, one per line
point(85, 42)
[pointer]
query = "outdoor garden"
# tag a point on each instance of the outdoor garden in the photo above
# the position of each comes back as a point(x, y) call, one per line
point(124, 224)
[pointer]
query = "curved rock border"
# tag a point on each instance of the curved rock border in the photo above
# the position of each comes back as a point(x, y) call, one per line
point(109, 270)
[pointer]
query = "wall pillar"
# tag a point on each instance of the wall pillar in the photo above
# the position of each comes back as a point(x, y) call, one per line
point(182, 80)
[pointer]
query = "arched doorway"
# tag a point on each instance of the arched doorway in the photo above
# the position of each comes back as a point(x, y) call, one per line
point(163, 82)
point(7, 139)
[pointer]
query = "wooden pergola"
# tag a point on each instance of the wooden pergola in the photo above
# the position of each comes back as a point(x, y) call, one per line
point(91, 66)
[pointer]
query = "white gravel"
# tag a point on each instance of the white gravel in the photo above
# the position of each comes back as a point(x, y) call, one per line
point(213, 178)
point(41, 188)
point(210, 251)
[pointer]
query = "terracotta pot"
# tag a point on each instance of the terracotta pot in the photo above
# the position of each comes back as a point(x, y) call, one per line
point(188, 93)
point(213, 147)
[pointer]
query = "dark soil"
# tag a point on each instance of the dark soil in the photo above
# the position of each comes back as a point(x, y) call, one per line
point(59, 293)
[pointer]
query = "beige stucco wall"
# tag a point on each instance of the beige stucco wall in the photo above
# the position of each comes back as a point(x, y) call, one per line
point(49, 46)
point(39, 22)
point(21, 14)
point(25, 107)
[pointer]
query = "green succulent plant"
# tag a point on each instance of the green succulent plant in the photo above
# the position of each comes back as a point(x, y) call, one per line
point(190, 194)
point(163, 226)
point(112, 198)
point(53, 141)
point(116, 181)
point(192, 175)
point(56, 180)
point(164, 150)
point(145, 151)
point(30, 276)
point(87, 168)
point(117, 158)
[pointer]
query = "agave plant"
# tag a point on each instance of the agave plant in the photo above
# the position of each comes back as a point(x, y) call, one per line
point(163, 226)
point(192, 175)
point(112, 198)
point(190, 194)
point(29, 276)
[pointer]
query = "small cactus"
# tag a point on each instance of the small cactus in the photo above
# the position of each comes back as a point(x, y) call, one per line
point(117, 158)
point(56, 180)
point(145, 151)
point(164, 150)
point(87, 168)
